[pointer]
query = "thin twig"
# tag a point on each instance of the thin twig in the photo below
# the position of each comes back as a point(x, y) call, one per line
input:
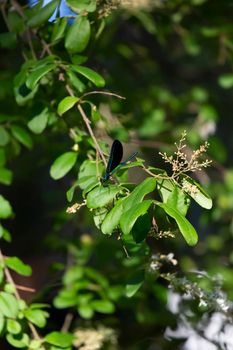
point(67, 322)
point(87, 123)
point(18, 8)
point(5, 16)
point(102, 93)
point(25, 289)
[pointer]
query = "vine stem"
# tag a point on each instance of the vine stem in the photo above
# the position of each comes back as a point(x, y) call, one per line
point(11, 281)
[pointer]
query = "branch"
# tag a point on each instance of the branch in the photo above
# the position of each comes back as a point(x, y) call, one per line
point(87, 122)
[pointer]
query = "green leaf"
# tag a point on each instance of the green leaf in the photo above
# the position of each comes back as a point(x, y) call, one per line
point(59, 29)
point(134, 284)
point(13, 326)
point(60, 339)
point(4, 136)
point(66, 104)
point(37, 317)
point(22, 136)
point(65, 298)
point(35, 345)
point(17, 265)
point(129, 217)
point(198, 194)
point(2, 322)
point(179, 200)
point(8, 305)
point(23, 342)
point(70, 192)
point(112, 219)
point(165, 188)
point(5, 176)
point(103, 306)
point(99, 216)
point(8, 40)
point(101, 196)
point(15, 22)
point(2, 157)
point(88, 174)
point(43, 14)
point(85, 311)
point(226, 81)
point(37, 74)
point(63, 164)
point(138, 194)
point(76, 82)
point(91, 75)
point(6, 235)
point(141, 228)
point(5, 208)
point(187, 230)
point(78, 35)
point(39, 122)
point(82, 5)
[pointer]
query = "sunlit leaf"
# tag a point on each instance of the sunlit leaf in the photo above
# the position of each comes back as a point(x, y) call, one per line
point(101, 196)
point(5, 208)
point(63, 164)
point(17, 265)
point(91, 75)
point(39, 122)
point(129, 217)
point(66, 104)
point(60, 339)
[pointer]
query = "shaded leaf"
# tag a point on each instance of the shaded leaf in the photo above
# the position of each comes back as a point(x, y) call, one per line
point(59, 29)
point(187, 230)
point(43, 14)
point(4, 136)
point(134, 284)
point(35, 75)
point(78, 35)
point(22, 136)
